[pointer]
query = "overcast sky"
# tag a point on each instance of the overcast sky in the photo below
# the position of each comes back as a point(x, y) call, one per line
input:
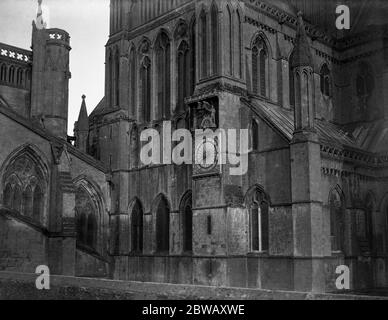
point(87, 22)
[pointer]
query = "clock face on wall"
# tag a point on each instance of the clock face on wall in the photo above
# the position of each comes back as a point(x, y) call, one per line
point(206, 155)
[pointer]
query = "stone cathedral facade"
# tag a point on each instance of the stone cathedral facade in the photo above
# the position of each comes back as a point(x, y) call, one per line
point(313, 98)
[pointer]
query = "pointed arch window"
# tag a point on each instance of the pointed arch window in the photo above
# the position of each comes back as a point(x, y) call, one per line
point(260, 67)
point(3, 72)
point(137, 229)
point(193, 68)
point(337, 223)
point(110, 79)
point(204, 49)
point(187, 222)
point(258, 206)
point(365, 81)
point(325, 81)
point(11, 75)
point(22, 179)
point(19, 77)
point(163, 58)
point(364, 222)
point(86, 218)
point(229, 42)
point(255, 135)
point(145, 81)
point(162, 226)
point(239, 44)
point(132, 81)
point(183, 84)
point(215, 45)
point(117, 80)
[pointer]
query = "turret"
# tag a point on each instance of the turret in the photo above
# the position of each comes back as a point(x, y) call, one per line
point(50, 77)
point(302, 67)
point(81, 127)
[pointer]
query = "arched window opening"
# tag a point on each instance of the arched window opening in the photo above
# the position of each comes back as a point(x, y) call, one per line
point(239, 45)
point(145, 80)
point(110, 79)
point(37, 204)
point(365, 226)
point(3, 72)
point(229, 42)
point(258, 205)
point(86, 217)
point(255, 135)
point(137, 229)
point(214, 32)
point(132, 81)
point(183, 84)
point(23, 176)
point(163, 56)
point(263, 72)
point(117, 80)
point(255, 70)
point(204, 55)
point(187, 222)
point(259, 67)
point(336, 222)
point(27, 202)
point(193, 58)
point(163, 226)
point(19, 77)
point(325, 81)
point(11, 75)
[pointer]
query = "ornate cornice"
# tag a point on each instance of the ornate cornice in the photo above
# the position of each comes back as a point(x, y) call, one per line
point(356, 156)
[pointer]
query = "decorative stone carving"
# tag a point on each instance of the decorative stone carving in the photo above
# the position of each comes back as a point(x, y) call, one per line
point(181, 30)
point(57, 149)
point(205, 115)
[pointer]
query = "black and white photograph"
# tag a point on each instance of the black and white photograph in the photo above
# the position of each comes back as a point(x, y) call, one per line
point(209, 151)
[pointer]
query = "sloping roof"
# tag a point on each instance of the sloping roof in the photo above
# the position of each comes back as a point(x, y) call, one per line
point(283, 121)
point(99, 109)
point(371, 136)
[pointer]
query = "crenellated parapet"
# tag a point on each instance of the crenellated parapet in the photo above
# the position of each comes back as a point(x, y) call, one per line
point(15, 66)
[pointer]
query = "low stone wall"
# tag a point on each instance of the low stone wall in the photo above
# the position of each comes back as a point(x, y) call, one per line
point(22, 286)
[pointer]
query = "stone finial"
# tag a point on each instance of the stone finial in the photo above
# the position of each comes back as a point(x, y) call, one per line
point(301, 56)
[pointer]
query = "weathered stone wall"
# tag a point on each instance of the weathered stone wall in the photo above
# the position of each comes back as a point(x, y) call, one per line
point(90, 265)
point(26, 244)
point(22, 247)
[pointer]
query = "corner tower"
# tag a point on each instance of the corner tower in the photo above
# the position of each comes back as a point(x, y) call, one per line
point(50, 77)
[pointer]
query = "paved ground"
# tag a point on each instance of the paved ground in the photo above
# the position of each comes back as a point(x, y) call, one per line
point(22, 286)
